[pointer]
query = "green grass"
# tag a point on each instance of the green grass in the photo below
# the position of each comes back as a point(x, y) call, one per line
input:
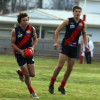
point(83, 84)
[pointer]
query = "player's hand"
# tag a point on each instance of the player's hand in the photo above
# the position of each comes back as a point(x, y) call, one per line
point(22, 53)
point(55, 46)
point(87, 49)
point(32, 48)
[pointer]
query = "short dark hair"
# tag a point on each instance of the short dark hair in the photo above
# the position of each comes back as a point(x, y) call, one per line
point(76, 7)
point(20, 16)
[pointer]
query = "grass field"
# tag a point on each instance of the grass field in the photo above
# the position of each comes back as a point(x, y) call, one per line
point(83, 84)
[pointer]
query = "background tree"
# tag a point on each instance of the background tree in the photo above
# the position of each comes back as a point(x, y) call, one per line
point(63, 4)
point(4, 7)
point(40, 3)
point(12, 6)
point(21, 5)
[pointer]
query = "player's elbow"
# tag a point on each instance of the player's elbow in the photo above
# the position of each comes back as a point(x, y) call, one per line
point(12, 45)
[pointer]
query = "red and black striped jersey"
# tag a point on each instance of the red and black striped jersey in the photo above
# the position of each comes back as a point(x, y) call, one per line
point(73, 31)
point(23, 38)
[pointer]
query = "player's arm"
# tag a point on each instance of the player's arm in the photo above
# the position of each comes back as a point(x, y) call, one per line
point(60, 27)
point(13, 39)
point(34, 38)
point(85, 38)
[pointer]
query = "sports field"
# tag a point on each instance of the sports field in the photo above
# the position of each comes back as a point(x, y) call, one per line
point(83, 84)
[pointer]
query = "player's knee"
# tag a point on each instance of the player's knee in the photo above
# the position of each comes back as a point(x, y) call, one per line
point(70, 69)
point(26, 75)
point(60, 66)
point(32, 75)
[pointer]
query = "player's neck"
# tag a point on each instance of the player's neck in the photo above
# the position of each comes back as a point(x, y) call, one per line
point(76, 19)
point(23, 27)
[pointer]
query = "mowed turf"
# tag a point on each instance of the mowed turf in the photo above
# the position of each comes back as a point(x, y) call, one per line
point(83, 83)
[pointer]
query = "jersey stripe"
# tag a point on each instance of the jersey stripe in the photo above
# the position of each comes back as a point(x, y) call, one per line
point(25, 39)
point(74, 34)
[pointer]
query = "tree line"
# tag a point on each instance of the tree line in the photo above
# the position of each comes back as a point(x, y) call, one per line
point(12, 6)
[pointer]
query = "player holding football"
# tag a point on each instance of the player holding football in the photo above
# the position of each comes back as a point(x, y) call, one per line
point(68, 50)
point(21, 38)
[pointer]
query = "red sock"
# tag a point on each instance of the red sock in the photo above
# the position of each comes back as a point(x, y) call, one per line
point(31, 89)
point(63, 84)
point(20, 72)
point(52, 80)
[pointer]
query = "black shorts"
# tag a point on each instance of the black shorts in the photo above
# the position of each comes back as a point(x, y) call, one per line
point(69, 51)
point(21, 60)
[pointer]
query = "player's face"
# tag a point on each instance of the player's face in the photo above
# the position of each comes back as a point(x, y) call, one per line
point(77, 13)
point(24, 21)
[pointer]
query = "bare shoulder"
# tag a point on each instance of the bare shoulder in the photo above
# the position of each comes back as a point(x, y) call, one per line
point(66, 21)
point(34, 31)
point(33, 28)
point(13, 35)
point(13, 32)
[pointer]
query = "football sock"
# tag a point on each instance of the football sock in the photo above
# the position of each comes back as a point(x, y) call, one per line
point(20, 72)
point(52, 80)
point(62, 83)
point(31, 89)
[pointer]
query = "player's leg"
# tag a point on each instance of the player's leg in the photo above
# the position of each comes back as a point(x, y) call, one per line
point(21, 61)
point(21, 76)
point(62, 59)
point(31, 68)
point(70, 65)
point(67, 73)
point(25, 69)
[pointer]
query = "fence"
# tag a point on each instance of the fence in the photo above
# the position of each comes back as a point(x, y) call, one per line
point(44, 48)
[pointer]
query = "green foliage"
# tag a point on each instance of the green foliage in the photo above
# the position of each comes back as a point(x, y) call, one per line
point(83, 84)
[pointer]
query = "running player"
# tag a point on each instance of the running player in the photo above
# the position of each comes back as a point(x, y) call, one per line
point(68, 50)
point(22, 37)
